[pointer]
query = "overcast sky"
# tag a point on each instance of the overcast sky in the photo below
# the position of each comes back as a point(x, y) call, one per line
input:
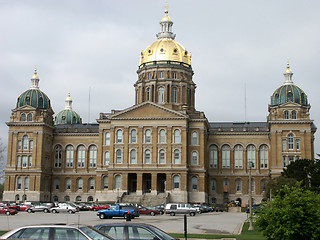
point(96, 44)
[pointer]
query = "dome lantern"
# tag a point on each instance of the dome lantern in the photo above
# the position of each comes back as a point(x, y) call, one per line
point(288, 75)
point(166, 27)
point(35, 80)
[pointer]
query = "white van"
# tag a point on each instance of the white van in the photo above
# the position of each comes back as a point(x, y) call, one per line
point(180, 208)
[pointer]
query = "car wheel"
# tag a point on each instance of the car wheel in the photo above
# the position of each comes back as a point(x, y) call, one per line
point(172, 214)
point(45, 210)
point(125, 215)
point(102, 216)
point(70, 211)
point(192, 214)
point(94, 209)
point(54, 211)
point(29, 211)
point(8, 213)
point(161, 213)
point(152, 214)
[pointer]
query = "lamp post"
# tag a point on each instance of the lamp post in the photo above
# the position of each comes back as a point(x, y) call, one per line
point(250, 199)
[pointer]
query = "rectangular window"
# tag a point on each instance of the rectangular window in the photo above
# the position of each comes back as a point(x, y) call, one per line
point(161, 75)
point(291, 159)
point(19, 145)
point(24, 161)
point(31, 145)
point(298, 144)
point(284, 144)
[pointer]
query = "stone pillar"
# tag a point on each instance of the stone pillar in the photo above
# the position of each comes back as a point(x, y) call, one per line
point(154, 184)
point(139, 184)
point(124, 182)
point(110, 181)
point(168, 182)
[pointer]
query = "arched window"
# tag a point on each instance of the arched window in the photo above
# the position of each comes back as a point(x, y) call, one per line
point(23, 117)
point(78, 199)
point(133, 156)
point(263, 185)
point(56, 183)
point(194, 183)
point(162, 136)
point(90, 199)
point(119, 136)
point(194, 140)
point(161, 95)
point(19, 183)
point(238, 155)
point(161, 75)
point(68, 183)
point(225, 156)
point(133, 136)
point(290, 96)
point(118, 182)
point(148, 94)
point(252, 185)
point(251, 156)
point(177, 136)
point(67, 199)
point(147, 156)
point(213, 185)
point(92, 156)
point(147, 136)
point(174, 95)
point(55, 199)
point(29, 117)
point(225, 185)
point(69, 160)
point(25, 140)
point(105, 182)
point(162, 157)
point(81, 156)
point(176, 182)
point(264, 156)
point(58, 157)
point(17, 197)
point(106, 158)
point(194, 160)
point(107, 140)
point(176, 156)
point(118, 156)
point(290, 141)
point(91, 183)
point(213, 156)
point(26, 183)
point(286, 114)
point(294, 114)
point(80, 183)
point(238, 185)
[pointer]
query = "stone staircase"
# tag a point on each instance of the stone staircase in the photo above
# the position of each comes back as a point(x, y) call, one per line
point(145, 199)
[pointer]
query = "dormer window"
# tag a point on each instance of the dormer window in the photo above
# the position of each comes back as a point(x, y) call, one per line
point(294, 114)
point(174, 75)
point(286, 114)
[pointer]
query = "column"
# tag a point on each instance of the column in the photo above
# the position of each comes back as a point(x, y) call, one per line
point(154, 184)
point(139, 184)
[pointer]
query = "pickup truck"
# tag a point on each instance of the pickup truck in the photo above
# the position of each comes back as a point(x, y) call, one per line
point(115, 211)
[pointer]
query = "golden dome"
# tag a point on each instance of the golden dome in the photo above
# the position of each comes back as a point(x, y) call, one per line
point(165, 19)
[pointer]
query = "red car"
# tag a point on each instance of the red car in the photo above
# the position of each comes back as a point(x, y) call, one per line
point(147, 211)
point(7, 211)
point(24, 207)
point(99, 207)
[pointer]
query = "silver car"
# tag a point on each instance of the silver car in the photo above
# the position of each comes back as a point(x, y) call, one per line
point(64, 207)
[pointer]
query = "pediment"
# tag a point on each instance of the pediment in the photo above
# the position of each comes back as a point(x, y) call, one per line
point(25, 108)
point(148, 110)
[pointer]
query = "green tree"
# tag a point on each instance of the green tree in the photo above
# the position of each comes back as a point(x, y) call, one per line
point(275, 185)
point(293, 214)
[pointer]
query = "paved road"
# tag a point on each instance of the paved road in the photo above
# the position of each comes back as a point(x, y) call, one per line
point(206, 223)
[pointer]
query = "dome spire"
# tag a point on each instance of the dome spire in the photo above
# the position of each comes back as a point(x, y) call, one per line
point(288, 75)
point(35, 79)
point(68, 102)
point(166, 26)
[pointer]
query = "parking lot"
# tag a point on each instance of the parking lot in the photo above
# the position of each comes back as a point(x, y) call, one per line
point(206, 223)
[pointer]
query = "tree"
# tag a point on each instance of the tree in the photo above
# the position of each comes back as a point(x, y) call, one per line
point(275, 185)
point(293, 214)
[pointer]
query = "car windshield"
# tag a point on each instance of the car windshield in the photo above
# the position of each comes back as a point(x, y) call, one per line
point(161, 233)
point(94, 233)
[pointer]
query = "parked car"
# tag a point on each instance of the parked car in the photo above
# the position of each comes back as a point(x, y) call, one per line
point(8, 211)
point(13, 206)
point(255, 208)
point(131, 206)
point(180, 208)
point(38, 208)
point(128, 231)
point(50, 232)
point(83, 206)
point(64, 207)
point(115, 211)
point(98, 207)
point(148, 211)
point(24, 207)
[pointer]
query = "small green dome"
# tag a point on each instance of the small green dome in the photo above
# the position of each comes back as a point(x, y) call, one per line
point(289, 93)
point(67, 116)
point(35, 98)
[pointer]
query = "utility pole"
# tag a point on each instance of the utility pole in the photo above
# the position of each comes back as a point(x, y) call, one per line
point(250, 199)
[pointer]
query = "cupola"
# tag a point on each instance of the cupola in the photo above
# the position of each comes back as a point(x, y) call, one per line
point(68, 116)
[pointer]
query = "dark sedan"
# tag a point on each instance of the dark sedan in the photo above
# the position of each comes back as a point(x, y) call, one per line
point(148, 211)
point(126, 231)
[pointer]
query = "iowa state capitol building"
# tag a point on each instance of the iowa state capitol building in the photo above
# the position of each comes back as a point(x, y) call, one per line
point(161, 148)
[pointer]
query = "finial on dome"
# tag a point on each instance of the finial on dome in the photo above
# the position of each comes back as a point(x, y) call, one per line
point(166, 26)
point(35, 79)
point(68, 102)
point(288, 74)
point(166, 6)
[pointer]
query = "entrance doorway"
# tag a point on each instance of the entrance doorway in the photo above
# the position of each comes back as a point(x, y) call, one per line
point(132, 183)
point(146, 180)
point(161, 180)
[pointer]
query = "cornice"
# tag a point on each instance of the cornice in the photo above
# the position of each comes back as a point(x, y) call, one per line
point(290, 122)
point(28, 124)
point(76, 134)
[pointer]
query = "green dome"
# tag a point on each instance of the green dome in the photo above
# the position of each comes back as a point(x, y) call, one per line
point(35, 98)
point(67, 116)
point(288, 93)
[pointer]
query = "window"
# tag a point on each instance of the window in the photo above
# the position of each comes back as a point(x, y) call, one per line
point(19, 183)
point(290, 159)
point(19, 161)
point(118, 182)
point(147, 157)
point(24, 161)
point(174, 95)
point(119, 136)
point(19, 145)
point(286, 114)
point(251, 156)
point(177, 136)
point(176, 182)
point(31, 145)
point(30, 161)
point(69, 160)
point(147, 137)
point(58, 157)
point(92, 156)
point(118, 156)
point(225, 156)
point(133, 156)
point(298, 144)
point(290, 141)
point(107, 139)
point(56, 184)
point(162, 157)
point(26, 183)
point(55, 199)
point(91, 183)
point(284, 144)
point(213, 185)
point(81, 156)
point(284, 161)
point(194, 183)
point(133, 136)
point(162, 136)
point(264, 156)
point(213, 156)
point(29, 117)
point(149, 75)
point(238, 185)
point(263, 185)
point(68, 183)
point(105, 182)
point(80, 184)
point(252, 186)
point(194, 140)
point(106, 158)
point(161, 75)
point(23, 117)
point(174, 75)
point(78, 199)
point(176, 156)
point(25, 142)
point(194, 160)
point(238, 154)
point(67, 199)
point(161, 95)
point(294, 114)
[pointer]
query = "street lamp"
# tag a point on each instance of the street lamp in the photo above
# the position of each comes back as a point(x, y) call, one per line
point(250, 198)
